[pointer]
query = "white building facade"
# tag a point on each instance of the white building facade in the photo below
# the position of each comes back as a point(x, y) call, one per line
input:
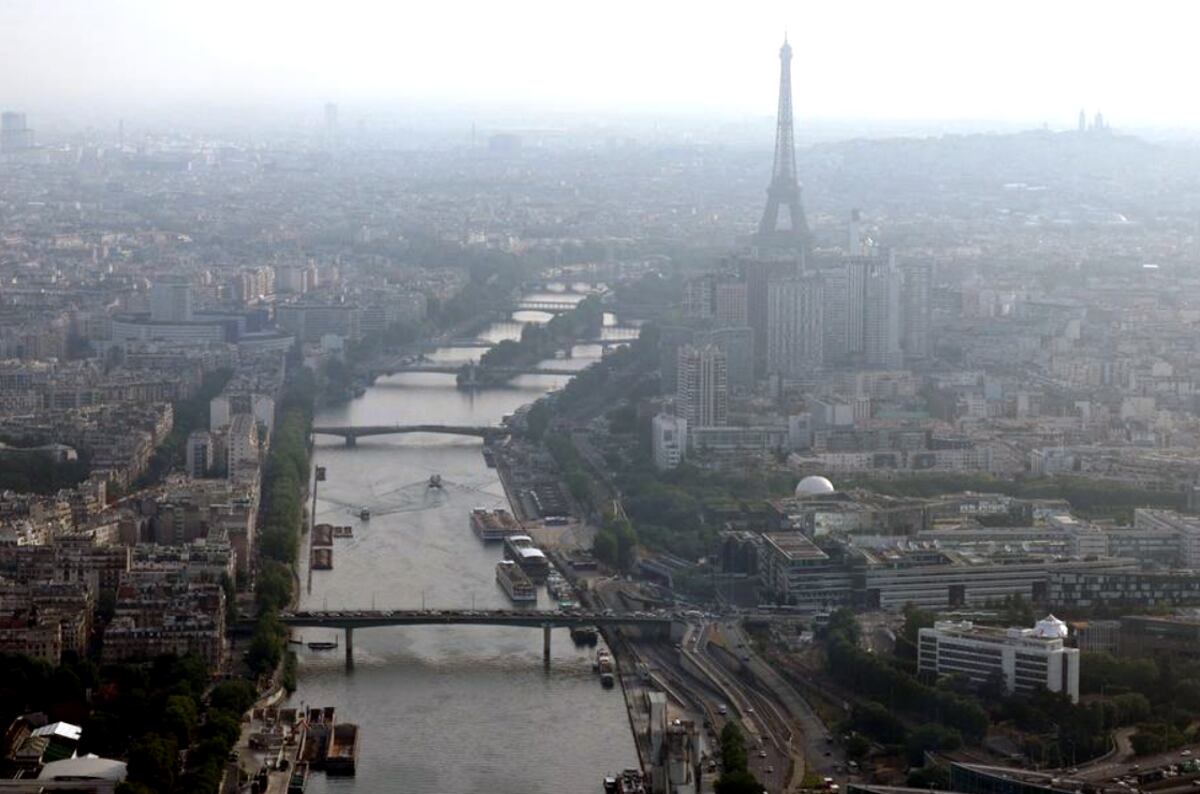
point(1024, 659)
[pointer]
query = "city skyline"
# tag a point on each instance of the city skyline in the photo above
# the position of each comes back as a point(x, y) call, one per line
point(373, 59)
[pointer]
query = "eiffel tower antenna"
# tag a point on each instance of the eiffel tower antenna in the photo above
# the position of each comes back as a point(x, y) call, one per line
point(784, 190)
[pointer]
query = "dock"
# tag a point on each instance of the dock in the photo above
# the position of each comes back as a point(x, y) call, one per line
point(280, 748)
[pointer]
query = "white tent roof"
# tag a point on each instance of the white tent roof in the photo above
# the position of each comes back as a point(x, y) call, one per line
point(89, 767)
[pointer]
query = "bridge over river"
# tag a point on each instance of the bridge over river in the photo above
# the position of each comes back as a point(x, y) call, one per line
point(348, 621)
point(437, 344)
point(352, 433)
point(474, 373)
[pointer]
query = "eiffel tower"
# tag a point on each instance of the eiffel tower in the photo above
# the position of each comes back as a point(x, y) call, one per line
point(784, 190)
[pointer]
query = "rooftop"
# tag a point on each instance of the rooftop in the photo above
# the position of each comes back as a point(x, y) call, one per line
point(795, 546)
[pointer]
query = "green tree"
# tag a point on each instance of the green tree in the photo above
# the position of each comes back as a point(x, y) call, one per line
point(152, 762)
point(273, 588)
point(604, 546)
point(235, 696)
point(857, 747)
point(740, 781)
point(930, 737)
point(908, 637)
point(179, 718)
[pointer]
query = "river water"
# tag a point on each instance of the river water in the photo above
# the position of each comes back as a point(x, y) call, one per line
point(446, 709)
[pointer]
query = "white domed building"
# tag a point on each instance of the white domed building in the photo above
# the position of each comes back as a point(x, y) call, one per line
point(1050, 628)
point(814, 485)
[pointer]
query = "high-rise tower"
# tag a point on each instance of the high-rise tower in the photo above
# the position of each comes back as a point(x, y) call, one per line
point(702, 391)
point(784, 190)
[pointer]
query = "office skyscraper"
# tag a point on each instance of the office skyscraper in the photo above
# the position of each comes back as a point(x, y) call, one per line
point(171, 301)
point(784, 190)
point(881, 327)
point(916, 314)
point(835, 313)
point(702, 392)
point(758, 273)
point(795, 331)
point(737, 343)
point(730, 298)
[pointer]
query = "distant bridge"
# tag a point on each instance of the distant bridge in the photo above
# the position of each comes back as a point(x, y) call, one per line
point(487, 343)
point(351, 620)
point(546, 306)
point(486, 373)
point(353, 433)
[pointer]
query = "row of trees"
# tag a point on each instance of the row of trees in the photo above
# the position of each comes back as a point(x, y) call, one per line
point(616, 543)
point(893, 688)
point(1085, 495)
point(286, 472)
point(285, 483)
point(1161, 696)
point(736, 777)
point(571, 469)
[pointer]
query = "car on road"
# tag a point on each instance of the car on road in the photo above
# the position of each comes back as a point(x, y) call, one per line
point(762, 753)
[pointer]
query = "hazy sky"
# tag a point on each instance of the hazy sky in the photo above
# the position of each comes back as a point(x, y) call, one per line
point(1021, 60)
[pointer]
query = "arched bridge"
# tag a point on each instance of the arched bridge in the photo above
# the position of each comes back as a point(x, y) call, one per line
point(353, 433)
point(351, 620)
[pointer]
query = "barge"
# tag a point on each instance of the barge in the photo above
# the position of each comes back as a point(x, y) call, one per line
point(515, 583)
point(341, 755)
point(494, 524)
point(322, 559)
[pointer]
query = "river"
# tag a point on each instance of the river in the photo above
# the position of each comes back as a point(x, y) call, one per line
point(447, 709)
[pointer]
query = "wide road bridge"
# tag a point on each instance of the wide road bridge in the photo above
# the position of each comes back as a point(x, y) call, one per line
point(484, 344)
point(353, 433)
point(364, 619)
point(395, 368)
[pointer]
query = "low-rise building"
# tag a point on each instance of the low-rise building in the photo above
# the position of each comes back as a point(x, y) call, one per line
point(1025, 660)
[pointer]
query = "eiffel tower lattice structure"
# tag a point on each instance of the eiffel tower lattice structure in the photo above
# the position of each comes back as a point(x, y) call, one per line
point(784, 190)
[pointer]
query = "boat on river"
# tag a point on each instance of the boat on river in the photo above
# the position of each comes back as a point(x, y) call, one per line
point(341, 757)
point(515, 583)
point(322, 645)
point(321, 559)
point(494, 524)
point(520, 549)
point(585, 635)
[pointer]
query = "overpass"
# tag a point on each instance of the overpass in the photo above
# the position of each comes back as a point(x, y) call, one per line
point(364, 619)
point(353, 433)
